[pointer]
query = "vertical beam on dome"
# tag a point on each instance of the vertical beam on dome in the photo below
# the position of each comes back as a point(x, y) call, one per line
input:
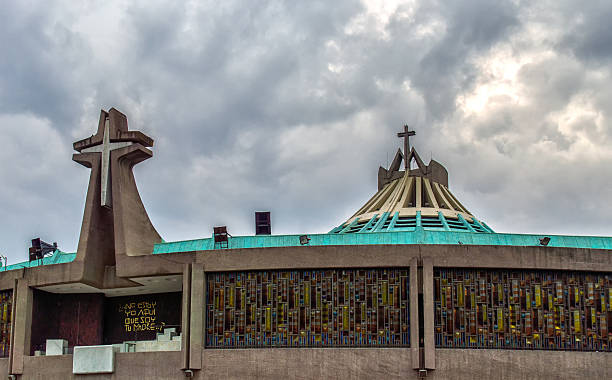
point(348, 226)
point(430, 194)
point(419, 221)
point(444, 200)
point(487, 227)
point(368, 224)
point(443, 220)
point(393, 220)
point(381, 222)
point(337, 229)
point(407, 192)
point(476, 222)
point(392, 200)
point(465, 223)
point(378, 204)
point(418, 188)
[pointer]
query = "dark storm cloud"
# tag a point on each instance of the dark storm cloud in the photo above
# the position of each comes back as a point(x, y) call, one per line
point(472, 28)
point(588, 33)
point(35, 77)
point(291, 106)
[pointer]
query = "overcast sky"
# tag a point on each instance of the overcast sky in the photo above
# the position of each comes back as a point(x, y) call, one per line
point(291, 106)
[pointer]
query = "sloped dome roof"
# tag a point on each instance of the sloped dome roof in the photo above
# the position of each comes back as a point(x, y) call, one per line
point(411, 199)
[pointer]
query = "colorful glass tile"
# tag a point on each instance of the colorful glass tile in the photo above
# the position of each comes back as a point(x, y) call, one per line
point(551, 310)
point(313, 308)
point(6, 304)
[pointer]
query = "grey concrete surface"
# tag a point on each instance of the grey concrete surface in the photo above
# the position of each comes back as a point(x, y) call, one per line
point(313, 363)
point(454, 364)
point(128, 366)
point(367, 363)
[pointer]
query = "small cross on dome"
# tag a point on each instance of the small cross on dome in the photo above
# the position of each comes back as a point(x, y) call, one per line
point(406, 135)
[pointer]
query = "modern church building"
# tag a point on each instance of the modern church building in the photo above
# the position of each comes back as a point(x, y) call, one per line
point(413, 285)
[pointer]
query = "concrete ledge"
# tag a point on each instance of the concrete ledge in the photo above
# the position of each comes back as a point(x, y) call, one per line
point(93, 359)
point(307, 363)
point(363, 363)
point(4, 366)
point(137, 365)
point(520, 364)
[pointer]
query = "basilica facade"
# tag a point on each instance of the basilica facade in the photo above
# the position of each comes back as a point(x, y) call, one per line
point(412, 285)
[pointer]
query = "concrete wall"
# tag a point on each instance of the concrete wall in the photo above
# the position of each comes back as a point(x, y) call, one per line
point(238, 364)
point(167, 313)
point(395, 363)
point(548, 258)
point(78, 318)
point(367, 363)
point(521, 364)
point(314, 363)
point(135, 365)
point(307, 363)
point(4, 366)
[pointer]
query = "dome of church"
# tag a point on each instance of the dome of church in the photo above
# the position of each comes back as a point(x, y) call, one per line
point(410, 199)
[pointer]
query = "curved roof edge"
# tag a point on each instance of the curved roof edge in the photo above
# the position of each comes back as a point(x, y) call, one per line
point(57, 257)
point(419, 236)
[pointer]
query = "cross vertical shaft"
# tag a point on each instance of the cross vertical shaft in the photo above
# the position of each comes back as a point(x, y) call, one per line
point(105, 149)
point(406, 135)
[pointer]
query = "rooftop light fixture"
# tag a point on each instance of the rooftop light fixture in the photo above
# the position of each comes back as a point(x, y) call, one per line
point(304, 239)
point(221, 236)
point(544, 241)
point(39, 249)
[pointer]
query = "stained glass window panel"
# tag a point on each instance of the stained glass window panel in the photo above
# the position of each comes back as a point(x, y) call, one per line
point(314, 308)
point(550, 310)
point(6, 303)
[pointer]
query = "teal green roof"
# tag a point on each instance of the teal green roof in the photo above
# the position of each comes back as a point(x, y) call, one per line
point(387, 222)
point(58, 257)
point(418, 236)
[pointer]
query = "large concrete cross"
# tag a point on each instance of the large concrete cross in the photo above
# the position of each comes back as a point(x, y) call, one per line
point(105, 148)
point(112, 134)
point(406, 135)
point(115, 222)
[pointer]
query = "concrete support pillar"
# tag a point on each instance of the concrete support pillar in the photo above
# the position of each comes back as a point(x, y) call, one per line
point(22, 325)
point(414, 313)
point(198, 303)
point(428, 313)
point(186, 315)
